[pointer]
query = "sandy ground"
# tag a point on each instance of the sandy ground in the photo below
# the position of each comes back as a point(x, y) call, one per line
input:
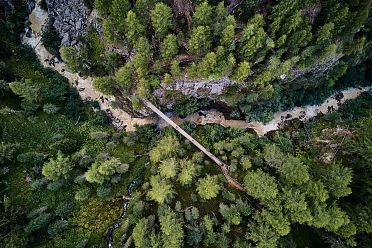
point(121, 119)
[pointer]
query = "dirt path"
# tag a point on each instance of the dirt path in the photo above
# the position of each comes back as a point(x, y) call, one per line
point(120, 119)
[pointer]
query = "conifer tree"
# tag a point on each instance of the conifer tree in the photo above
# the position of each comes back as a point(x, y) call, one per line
point(161, 19)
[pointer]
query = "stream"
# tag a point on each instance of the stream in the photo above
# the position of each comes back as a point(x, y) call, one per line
point(132, 186)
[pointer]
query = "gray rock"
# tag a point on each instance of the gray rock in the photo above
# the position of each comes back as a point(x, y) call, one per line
point(30, 5)
point(66, 39)
point(69, 18)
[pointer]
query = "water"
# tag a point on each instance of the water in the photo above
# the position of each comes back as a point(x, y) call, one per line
point(131, 187)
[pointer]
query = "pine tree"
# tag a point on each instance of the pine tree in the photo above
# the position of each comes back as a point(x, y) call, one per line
point(27, 90)
point(133, 28)
point(118, 13)
point(187, 173)
point(160, 190)
point(261, 185)
point(161, 19)
point(103, 7)
point(57, 168)
point(241, 72)
point(142, 57)
point(124, 76)
point(171, 229)
point(199, 41)
point(208, 187)
point(168, 168)
point(203, 14)
point(254, 38)
point(140, 233)
point(169, 47)
point(104, 85)
point(166, 147)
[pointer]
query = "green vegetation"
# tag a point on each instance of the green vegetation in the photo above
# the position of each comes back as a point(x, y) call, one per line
point(64, 171)
point(280, 54)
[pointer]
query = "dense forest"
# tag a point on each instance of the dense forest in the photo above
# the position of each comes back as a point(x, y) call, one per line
point(278, 53)
point(65, 171)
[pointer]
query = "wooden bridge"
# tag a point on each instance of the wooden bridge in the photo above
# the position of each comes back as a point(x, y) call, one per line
point(224, 167)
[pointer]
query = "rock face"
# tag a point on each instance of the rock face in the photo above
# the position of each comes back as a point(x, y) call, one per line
point(69, 18)
point(30, 5)
point(200, 88)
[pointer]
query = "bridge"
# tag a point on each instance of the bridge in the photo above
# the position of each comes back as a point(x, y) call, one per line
point(224, 167)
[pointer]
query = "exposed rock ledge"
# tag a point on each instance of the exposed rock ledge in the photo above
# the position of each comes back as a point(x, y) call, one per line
point(69, 18)
point(200, 88)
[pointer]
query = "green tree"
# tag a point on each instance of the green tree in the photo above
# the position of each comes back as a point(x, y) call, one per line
point(169, 47)
point(242, 71)
point(171, 229)
point(104, 85)
point(316, 190)
point(294, 171)
point(203, 14)
point(101, 171)
point(133, 28)
point(50, 108)
point(325, 32)
point(82, 194)
point(27, 90)
point(168, 168)
point(175, 68)
point(187, 173)
point(277, 220)
point(231, 214)
point(57, 168)
point(7, 151)
point(228, 35)
point(199, 41)
point(245, 162)
point(168, 80)
point(38, 222)
point(75, 58)
point(118, 13)
point(142, 57)
point(103, 7)
point(289, 167)
point(161, 19)
point(124, 76)
point(260, 185)
point(143, 10)
point(57, 227)
point(208, 187)
point(140, 233)
point(207, 65)
point(166, 147)
point(337, 179)
point(254, 38)
point(295, 203)
point(103, 191)
point(64, 209)
point(160, 190)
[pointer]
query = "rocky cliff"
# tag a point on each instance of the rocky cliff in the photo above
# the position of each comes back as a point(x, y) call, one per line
point(69, 18)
